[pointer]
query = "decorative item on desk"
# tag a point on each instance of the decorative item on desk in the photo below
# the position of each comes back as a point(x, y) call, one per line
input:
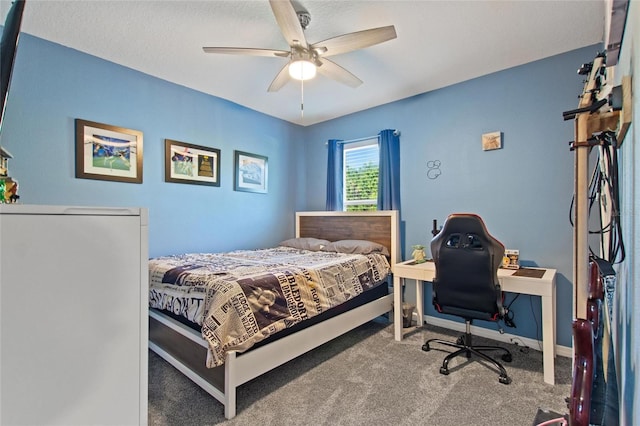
point(418, 253)
point(511, 259)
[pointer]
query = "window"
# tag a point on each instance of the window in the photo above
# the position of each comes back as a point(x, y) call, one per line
point(360, 179)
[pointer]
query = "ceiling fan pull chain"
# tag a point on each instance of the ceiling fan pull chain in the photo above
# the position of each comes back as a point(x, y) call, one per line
point(301, 98)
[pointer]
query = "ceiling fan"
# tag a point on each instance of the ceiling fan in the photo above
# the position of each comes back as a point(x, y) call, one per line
point(304, 58)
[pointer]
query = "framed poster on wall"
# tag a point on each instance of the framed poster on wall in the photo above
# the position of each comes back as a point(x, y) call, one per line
point(189, 163)
point(106, 152)
point(251, 172)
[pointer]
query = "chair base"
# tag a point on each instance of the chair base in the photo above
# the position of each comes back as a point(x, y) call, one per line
point(465, 348)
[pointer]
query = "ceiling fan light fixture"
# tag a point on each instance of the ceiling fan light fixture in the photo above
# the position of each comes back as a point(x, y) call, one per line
point(302, 70)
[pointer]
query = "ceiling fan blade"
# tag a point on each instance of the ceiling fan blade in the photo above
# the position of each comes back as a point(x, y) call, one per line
point(336, 72)
point(247, 51)
point(281, 79)
point(354, 41)
point(288, 22)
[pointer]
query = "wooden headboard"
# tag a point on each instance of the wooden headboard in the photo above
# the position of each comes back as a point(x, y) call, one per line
point(381, 227)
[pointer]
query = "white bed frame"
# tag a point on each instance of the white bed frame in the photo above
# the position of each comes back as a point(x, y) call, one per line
point(222, 382)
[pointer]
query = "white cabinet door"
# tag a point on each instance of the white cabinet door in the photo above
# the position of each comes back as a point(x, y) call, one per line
point(73, 340)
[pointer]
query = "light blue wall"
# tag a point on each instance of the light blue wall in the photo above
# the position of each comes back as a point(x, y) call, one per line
point(53, 85)
point(626, 324)
point(523, 191)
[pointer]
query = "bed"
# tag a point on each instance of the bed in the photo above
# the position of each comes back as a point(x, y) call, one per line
point(219, 358)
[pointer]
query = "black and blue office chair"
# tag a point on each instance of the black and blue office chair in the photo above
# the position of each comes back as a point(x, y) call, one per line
point(466, 284)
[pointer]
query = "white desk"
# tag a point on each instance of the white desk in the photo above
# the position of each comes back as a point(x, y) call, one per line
point(544, 287)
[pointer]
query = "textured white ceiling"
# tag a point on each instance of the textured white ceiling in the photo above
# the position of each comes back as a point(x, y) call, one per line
point(439, 43)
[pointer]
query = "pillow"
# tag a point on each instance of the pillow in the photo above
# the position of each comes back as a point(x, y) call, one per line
point(314, 244)
point(356, 247)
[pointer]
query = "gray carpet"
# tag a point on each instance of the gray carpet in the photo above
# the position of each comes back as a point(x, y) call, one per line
point(365, 377)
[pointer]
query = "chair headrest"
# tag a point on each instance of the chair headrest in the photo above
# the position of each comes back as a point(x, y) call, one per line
point(466, 223)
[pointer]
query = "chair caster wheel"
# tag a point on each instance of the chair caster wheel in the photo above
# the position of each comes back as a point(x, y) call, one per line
point(507, 358)
point(444, 370)
point(426, 347)
point(460, 340)
point(505, 380)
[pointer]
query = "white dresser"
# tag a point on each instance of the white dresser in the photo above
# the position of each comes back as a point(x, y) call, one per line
point(73, 315)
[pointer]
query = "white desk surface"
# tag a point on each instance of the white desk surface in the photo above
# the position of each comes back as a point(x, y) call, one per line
point(545, 287)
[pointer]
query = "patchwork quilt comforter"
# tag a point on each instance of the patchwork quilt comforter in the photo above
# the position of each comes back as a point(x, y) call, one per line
point(242, 297)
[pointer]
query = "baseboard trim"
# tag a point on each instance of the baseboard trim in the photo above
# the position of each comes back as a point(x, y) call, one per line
point(494, 334)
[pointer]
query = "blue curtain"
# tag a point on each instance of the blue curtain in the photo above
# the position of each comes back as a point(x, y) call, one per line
point(334, 175)
point(389, 174)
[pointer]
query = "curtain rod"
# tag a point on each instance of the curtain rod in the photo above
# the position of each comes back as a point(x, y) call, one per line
point(358, 140)
point(395, 133)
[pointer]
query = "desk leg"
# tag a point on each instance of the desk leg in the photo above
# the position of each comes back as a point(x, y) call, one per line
point(419, 302)
point(548, 339)
point(397, 307)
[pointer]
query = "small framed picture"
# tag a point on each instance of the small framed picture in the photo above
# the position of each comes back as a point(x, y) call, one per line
point(251, 172)
point(106, 152)
point(491, 141)
point(188, 163)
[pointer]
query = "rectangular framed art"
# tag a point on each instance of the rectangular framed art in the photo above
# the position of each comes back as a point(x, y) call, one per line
point(491, 141)
point(106, 152)
point(188, 163)
point(251, 172)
